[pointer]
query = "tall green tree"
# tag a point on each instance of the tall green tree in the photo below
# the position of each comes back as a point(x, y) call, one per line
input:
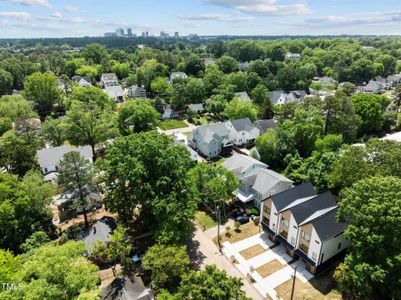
point(227, 64)
point(238, 109)
point(17, 156)
point(6, 81)
point(88, 124)
point(22, 211)
point(372, 209)
point(54, 272)
point(94, 53)
point(146, 169)
point(370, 109)
point(43, 90)
point(53, 131)
point(167, 264)
point(136, 116)
point(90, 94)
point(76, 173)
point(210, 284)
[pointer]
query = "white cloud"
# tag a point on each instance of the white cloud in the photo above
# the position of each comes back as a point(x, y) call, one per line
point(262, 7)
point(362, 18)
point(57, 15)
point(22, 16)
point(71, 9)
point(43, 3)
point(215, 17)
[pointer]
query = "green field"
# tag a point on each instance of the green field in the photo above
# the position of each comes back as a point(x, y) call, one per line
point(204, 220)
point(172, 124)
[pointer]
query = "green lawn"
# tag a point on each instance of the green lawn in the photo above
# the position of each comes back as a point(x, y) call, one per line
point(204, 220)
point(172, 124)
point(220, 161)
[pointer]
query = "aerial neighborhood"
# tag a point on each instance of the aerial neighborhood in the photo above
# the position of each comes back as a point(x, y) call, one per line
point(200, 168)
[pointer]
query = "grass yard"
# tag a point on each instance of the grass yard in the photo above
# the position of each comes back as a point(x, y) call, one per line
point(246, 231)
point(172, 124)
point(269, 268)
point(187, 133)
point(204, 220)
point(252, 251)
point(321, 288)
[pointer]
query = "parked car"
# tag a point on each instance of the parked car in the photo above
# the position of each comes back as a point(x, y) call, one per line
point(242, 219)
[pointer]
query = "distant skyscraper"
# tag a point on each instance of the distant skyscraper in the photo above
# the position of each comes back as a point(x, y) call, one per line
point(110, 34)
point(176, 35)
point(129, 32)
point(120, 32)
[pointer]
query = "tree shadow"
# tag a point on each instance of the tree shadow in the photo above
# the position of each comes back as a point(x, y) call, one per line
point(194, 254)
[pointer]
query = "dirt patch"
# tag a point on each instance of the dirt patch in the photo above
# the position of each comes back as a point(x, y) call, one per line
point(245, 231)
point(320, 288)
point(269, 268)
point(252, 251)
point(107, 276)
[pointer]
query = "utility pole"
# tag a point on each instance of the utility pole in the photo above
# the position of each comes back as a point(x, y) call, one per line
point(218, 227)
point(293, 282)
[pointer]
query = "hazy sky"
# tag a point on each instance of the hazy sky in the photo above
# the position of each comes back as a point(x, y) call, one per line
point(49, 18)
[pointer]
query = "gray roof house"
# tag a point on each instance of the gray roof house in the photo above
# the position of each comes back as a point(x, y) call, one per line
point(196, 108)
point(294, 56)
point(393, 80)
point(99, 231)
point(115, 92)
point(125, 288)
point(217, 139)
point(243, 96)
point(82, 81)
point(373, 87)
point(49, 158)
point(211, 140)
point(257, 182)
point(244, 67)
point(280, 97)
point(108, 79)
point(305, 224)
point(177, 75)
point(326, 80)
point(136, 91)
point(264, 125)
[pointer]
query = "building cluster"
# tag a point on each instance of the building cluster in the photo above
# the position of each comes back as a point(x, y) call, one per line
point(112, 87)
point(379, 85)
point(120, 33)
point(305, 223)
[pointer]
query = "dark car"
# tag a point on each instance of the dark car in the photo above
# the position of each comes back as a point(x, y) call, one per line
point(242, 219)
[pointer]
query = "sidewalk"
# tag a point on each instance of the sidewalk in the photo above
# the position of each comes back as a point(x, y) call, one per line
point(210, 255)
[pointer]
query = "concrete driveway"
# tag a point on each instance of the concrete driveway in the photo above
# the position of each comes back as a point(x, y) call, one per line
point(283, 273)
point(203, 251)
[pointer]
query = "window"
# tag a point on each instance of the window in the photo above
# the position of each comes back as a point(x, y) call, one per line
point(266, 220)
point(274, 226)
point(292, 241)
point(266, 209)
point(284, 222)
point(305, 236)
point(314, 256)
point(339, 246)
point(46, 170)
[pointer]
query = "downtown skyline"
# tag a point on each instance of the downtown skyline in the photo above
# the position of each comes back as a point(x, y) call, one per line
point(60, 18)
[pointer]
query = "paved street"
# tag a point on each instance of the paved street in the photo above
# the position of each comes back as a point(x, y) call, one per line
point(204, 252)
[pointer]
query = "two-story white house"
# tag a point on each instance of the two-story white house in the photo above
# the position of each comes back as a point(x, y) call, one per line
point(82, 81)
point(108, 79)
point(218, 139)
point(242, 132)
point(257, 182)
point(49, 158)
point(305, 224)
point(211, 140)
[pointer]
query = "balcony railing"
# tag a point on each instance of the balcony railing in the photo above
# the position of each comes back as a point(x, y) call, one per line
point(304, 248)
point(284, 233)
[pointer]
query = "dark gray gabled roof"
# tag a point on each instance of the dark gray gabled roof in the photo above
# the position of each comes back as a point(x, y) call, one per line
point(124, 288)
point(263, 125)
point(313, 208)
point(244, 124)
point(104, 228)
point(285, 198)
point(327, 226)
point(275, 95)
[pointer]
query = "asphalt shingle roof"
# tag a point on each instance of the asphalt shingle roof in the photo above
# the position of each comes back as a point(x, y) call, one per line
point(244, 124)
point(52, 156)
point(327, 225)
point(263, 125)
point(285, 198)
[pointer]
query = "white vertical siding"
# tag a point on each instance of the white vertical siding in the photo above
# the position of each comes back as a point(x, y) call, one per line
point(331, 247)
point(314, 246)
point(292, 232)
point(273, 219)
